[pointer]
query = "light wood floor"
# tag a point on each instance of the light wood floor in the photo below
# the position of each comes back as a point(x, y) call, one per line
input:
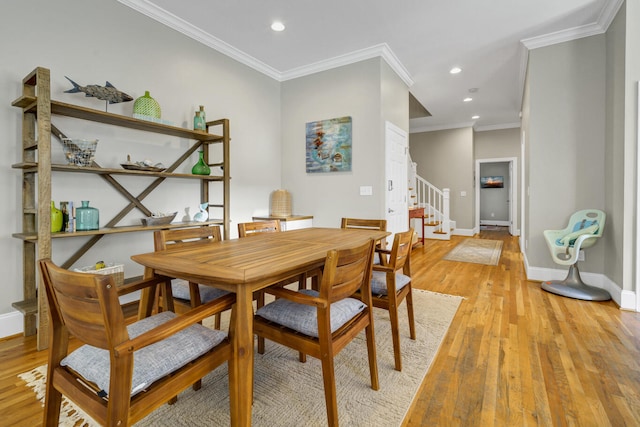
point(514, 355)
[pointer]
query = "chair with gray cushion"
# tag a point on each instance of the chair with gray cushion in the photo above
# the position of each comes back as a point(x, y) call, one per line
point(189, 294)
point(391, 285)
point(583, 231)
point(321, 323)
point(121, 373)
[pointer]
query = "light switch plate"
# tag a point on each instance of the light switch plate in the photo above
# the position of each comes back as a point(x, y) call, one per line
point(366, 190)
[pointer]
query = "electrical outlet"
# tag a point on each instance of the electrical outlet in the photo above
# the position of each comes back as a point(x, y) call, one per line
point(581, 255)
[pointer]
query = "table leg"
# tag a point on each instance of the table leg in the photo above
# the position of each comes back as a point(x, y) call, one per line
point(147, 296)
point(241, 364)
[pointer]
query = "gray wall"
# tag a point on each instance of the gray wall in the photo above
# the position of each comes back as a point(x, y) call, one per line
point(494, 202)
point(614, 148)
point(445, 159)
point(79, 39)
point(566, 134)
point(369, 93)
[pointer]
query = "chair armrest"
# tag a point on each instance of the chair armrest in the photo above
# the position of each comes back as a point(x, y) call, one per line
point(141, 284)
point(383, 268)
point(175, 325)
point(298, 297)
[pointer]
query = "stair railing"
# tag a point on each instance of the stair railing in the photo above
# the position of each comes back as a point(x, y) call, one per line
point(435, 203)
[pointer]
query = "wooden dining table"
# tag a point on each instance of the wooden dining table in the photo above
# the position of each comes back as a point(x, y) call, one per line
point(243, 266)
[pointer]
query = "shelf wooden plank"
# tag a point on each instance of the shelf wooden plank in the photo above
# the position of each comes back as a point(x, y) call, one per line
point(119, 229)
point(29, 306)
point(61, 108)
point(33, 166)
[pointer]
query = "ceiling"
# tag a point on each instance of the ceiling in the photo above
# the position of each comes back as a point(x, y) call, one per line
point(420, 39)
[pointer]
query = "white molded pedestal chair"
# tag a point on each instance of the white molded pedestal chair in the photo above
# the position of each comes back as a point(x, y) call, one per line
point(583, 231)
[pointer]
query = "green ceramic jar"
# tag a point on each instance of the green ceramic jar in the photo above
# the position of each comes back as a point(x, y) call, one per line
point(56, 218)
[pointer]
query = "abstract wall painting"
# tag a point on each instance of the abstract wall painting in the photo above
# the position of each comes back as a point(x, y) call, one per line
point(328, 144)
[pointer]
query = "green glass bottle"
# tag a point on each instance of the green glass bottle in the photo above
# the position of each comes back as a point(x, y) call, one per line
point(201, 168)
point(56, 218)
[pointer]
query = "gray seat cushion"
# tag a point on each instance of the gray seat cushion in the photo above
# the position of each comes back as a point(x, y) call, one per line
point(180, 289)
point(379, 282)
point(303, 318)
point(152, 362)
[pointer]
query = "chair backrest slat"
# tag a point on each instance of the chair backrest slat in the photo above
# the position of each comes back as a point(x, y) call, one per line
point(347, 271)
point(76, 300)
point(246, 229)
point(174, 239)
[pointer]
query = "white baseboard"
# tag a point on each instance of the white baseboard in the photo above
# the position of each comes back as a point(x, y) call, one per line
point(626, 300)
point(463, 232)
point(11, 324)
point(498, 223)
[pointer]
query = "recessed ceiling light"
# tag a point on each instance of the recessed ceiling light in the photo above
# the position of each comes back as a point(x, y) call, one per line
point(467, 99)
point(475, 117)
point(277, 26)
point(455, 70)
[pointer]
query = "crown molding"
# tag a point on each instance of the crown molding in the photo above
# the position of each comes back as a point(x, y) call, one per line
point(172, 21)
point(380, 50)
point(607, 14)
point(420, 129)
point(497, 127)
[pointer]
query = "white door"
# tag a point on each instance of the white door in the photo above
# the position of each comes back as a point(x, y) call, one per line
point(396, 164)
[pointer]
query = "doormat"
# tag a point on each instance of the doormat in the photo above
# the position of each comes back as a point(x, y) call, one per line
point(478, 251)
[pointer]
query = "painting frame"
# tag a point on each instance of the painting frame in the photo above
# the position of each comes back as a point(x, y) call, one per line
point(492, 182)
point(329, 145)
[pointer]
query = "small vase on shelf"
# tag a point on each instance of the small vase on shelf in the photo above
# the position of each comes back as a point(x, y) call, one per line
point(146, 107)
point(87, 217)
point(201, 168)
point(203, 215)
point(56, 218)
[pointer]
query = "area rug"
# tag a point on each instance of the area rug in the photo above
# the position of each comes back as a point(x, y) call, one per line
point(478, 251)
point(290, 393)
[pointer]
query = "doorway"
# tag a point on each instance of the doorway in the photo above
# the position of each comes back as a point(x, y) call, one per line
point(396, 173)
point(496, 193)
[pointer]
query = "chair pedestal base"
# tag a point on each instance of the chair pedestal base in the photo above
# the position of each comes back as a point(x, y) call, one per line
point(574, 287)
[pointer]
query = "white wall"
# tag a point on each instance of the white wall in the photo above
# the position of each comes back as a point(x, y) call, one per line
point(92, 41)
point(354, 90)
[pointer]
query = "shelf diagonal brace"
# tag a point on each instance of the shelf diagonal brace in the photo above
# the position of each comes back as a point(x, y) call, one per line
point(107, 177)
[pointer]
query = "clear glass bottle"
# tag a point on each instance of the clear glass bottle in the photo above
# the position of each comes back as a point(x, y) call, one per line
point(203, 117)
point(198, 122)
point(87, 217)
point(201, 168)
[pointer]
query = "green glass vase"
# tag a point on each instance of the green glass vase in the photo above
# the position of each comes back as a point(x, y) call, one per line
point(56, 218)
point(201, 168)
point(147, 106)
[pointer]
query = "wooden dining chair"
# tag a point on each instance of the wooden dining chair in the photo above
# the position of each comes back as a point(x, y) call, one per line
point(190, 294)
point(321, 323)
point(368, 224)
point(246, 229)
point(391, 285)
point(171, 352)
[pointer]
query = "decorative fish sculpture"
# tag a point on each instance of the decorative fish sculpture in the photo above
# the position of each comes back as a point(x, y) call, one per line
point(107, 92)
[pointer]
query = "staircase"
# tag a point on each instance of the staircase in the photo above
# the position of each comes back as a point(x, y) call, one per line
point(437, 221)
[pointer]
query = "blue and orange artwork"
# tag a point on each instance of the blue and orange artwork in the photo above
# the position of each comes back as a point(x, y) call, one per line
point(329, 145)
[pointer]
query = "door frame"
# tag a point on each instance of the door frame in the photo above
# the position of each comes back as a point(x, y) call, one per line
point(513, 191)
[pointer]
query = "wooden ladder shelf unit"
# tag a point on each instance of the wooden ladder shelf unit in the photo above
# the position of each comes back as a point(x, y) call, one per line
point(37, 130)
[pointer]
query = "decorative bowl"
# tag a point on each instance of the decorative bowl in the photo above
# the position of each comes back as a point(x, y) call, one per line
point(159, 220)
